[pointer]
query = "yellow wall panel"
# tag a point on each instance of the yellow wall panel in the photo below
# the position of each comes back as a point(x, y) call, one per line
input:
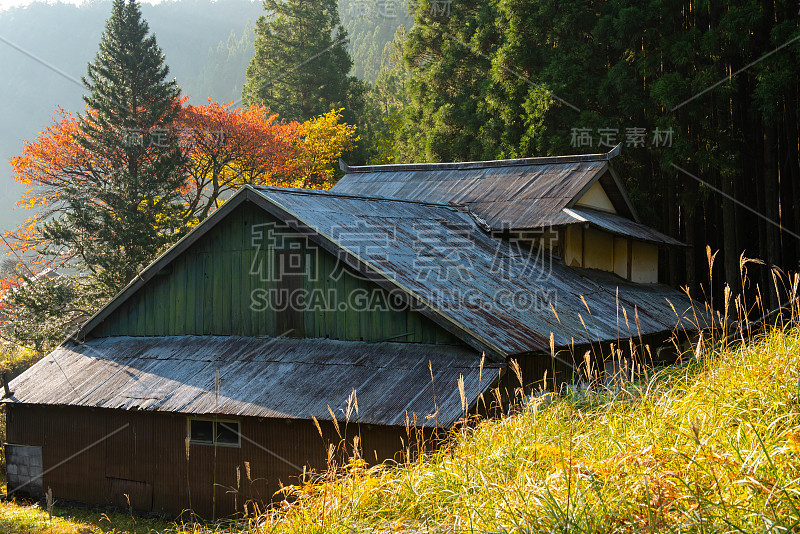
point(644, 263)
point(598, 250)
point(597, 198)
point(621, 245)
point(573, 246)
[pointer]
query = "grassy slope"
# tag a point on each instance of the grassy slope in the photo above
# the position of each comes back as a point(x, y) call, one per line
point(714, 447)
point(710, 448)
point(18, 519)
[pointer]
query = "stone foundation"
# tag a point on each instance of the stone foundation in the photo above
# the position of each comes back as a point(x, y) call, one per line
point(24, 470)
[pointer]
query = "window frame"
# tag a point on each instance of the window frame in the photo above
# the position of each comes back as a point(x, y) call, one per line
point(214, 421)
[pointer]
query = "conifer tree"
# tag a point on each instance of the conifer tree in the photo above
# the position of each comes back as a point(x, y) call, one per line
point(117, 214)
point(301, 64)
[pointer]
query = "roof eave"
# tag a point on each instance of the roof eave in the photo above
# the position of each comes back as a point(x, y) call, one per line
point(661, 243)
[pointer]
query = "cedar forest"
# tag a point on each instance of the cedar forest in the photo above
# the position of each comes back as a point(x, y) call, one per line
point(703, 98)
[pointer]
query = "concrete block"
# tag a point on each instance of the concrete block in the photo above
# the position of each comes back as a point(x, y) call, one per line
point(36, 461)
point(11, 469)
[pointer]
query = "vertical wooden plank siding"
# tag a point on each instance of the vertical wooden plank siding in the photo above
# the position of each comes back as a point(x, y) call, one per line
point(208, 291)
point(206, 305)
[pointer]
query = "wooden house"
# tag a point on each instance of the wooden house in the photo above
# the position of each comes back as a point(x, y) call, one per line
point(289, 318)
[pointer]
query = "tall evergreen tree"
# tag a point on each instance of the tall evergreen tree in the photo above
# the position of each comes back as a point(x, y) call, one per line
point(703, 96)
point(301, 64)
point(122, 209)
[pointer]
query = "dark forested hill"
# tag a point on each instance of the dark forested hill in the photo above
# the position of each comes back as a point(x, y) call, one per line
point(370, 27)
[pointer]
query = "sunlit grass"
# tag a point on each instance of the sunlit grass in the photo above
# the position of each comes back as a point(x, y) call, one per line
point(16, 359)
point(711, 447)
point(16, 518)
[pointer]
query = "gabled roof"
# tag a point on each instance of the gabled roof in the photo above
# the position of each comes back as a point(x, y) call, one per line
point(477, 273)
point(491, 294)
point(517, 194)
point(260, 377)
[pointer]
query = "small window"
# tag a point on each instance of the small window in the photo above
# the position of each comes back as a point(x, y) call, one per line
point(227, 433)
point(211, 432)
point(202, 431)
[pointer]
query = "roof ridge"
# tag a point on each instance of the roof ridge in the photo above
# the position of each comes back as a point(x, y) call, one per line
point(468, 165)
point(360, 196)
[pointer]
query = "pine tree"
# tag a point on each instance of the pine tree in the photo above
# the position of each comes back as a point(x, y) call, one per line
point(118, 214)
point(301, 64)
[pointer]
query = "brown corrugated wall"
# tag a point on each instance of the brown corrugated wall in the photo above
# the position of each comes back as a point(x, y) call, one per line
point(145, 457)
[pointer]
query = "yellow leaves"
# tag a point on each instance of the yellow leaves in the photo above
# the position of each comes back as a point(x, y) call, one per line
point(252, 147)
point(793, 442)
point(321, 141)
point(226, 148)
point(545, 452)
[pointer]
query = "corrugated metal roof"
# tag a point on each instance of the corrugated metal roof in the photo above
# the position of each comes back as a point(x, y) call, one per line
point(521, 194)
point(488, 289)
point(507, 197)
point(260, 377)
point(619, 225)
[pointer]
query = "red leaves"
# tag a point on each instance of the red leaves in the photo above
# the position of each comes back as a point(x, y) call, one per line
point(225, 148)
point(235, 146)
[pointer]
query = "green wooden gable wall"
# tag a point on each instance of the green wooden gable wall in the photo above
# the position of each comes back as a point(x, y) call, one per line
point(232, 283)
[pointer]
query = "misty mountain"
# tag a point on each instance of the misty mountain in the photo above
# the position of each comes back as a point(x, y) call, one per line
point(44, 50)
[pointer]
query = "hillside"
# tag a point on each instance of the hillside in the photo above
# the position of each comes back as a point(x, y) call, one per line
point(714, 447)
point(371, 27)
point(711, 447)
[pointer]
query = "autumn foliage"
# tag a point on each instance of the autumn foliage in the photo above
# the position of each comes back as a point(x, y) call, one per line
point(230, 147)
point(226, 148)
point(6, 285)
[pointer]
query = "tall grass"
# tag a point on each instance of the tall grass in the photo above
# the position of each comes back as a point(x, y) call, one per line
point(711, 447)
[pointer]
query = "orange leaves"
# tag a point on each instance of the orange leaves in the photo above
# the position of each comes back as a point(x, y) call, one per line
point(225, 149)
point(26, 236)
point(7, 284)
point(235, 146)
point(48, 161)
point(230, 147)
point(47, 165)
point(250, 146)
